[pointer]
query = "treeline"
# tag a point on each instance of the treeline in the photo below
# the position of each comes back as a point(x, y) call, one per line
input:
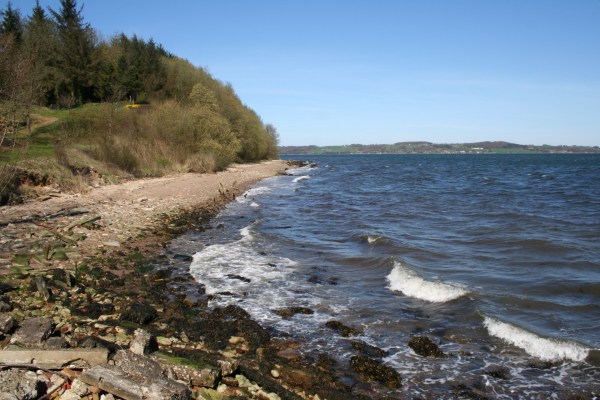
point(54, 58)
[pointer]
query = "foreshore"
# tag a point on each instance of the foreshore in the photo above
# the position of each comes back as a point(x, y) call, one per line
point(87, 310)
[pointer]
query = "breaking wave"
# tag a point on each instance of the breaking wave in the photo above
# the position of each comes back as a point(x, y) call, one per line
point(543, 348)
point(404, 280)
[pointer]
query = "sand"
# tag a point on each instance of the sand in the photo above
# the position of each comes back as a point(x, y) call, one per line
point(125, 214)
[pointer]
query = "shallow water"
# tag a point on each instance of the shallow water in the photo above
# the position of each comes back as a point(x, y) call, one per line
point(495, 257)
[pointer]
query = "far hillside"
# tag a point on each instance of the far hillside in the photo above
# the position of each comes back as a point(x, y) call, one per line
point(78, 111)
point(436, 148)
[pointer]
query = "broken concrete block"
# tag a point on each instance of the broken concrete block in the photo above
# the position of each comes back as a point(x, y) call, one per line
point(136, 366)
point(55, 359)
point(120, 384)
point(143, 343)
point(113, 381)
point(33, 332)
point(206, 377)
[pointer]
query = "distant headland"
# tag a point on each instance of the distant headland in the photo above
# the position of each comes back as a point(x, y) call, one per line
point(498, 147)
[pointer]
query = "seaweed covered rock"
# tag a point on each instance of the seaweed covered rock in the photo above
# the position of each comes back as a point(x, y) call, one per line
point(139, 312)
point(423, 346)
point(376, 371)
point(342, 329)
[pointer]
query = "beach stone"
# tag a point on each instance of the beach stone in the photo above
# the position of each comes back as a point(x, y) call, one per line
point(7, 323)
point(228, 367)
point(291, 311)
point(33, 332)
point(139, 312)
point(423, 346)
point(498, 371)
point(373, 370)
point(143, 343)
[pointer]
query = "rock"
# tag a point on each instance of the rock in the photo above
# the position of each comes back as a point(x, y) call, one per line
point(423, 346)
point(7, 323)
point(290, 354)
point(20, 384)
point(56, 342)
point(114, 381)
point(205, 377)
point(69, 395)
point(239, 278)
point(137, 366)
point(367, 350)
point(143, 343)
point(33, 332)
point(376, 371)
point(228, 367)
point(298, 378)
point(55, 359)
point(5, 307)
point(342, 329)
point(139, 312)
point(79, 388)
point(498, 371)
point(291, 311)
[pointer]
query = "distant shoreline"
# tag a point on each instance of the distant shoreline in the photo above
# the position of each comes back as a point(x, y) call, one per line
point(434, 148)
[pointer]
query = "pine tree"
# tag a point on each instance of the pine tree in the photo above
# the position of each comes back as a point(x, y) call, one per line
point(75, 54)
point(41, 43)
point(11, 23)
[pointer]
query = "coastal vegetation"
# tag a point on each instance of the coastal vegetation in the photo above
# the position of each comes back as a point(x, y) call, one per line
point(76, 109)
point(434, 148)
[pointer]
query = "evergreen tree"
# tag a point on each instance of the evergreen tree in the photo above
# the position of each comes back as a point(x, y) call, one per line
point(75, 53)
point(41, 43)
point(11, 23)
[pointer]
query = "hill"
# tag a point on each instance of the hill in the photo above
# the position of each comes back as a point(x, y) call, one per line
point(78, 111)
point(433, 148)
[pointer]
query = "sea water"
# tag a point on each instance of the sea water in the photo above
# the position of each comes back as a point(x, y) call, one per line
point(494, 257)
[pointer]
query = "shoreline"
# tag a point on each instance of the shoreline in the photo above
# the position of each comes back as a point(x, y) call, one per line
point(86, 297)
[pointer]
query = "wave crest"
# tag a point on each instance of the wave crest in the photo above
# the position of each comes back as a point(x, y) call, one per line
point(404, 280)
point(544, 349)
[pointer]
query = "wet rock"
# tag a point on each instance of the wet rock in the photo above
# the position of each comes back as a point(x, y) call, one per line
point(298, 378)
point(291, 311)
point(498, 371)
point(342, 329)
point(367, 350)
point(143, 343)
point(7, 323)
point(33, 332)
point(290, 354)
point(183, 257)
point(423, 346)
point(239, 278)
point(139, 312)
point(376, 371)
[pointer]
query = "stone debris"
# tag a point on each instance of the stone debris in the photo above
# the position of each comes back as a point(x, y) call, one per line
point(33, 332)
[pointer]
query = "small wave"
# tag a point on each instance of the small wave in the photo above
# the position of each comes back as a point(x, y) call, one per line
point(544, 349)
point(404, 280)
point(301, 178)
point(254, 204)
point(372, 239)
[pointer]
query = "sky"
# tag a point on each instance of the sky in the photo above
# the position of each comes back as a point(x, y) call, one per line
point(334, 72)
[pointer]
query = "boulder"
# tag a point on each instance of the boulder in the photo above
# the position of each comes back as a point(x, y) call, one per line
point(423, 346)
point(7, 323)
point(33, 332)
point(342, 329)
point(376, 371)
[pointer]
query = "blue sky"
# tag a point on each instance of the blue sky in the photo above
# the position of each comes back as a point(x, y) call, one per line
point(331, 72)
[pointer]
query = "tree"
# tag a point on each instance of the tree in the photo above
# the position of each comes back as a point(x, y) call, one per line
point(41, 43)
point(12, 24)
point(75, 54)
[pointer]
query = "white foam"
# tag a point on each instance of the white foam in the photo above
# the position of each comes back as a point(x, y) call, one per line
point(545, 349)
point(254, 204)
point(301, 178)
point(244, 198)
point(373, 238)
point(404, 280)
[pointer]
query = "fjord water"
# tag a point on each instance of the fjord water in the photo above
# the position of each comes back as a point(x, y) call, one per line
point(494, 257)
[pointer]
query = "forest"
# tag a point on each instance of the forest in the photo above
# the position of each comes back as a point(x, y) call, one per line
point(71, 103)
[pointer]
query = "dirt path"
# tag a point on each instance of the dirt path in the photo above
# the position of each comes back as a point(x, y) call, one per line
point(29, 233)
